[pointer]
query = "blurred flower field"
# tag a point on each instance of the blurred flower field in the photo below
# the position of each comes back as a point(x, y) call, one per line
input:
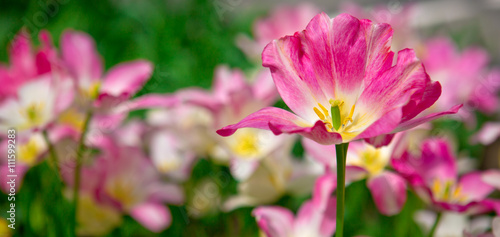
point(235, 118)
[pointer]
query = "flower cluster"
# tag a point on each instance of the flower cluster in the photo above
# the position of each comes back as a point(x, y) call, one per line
point(336, 80)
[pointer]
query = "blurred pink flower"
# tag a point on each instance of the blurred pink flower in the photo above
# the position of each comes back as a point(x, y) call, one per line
point(122, 177)
point(27, 65)
point(344, 63)
point(465, 77)
point(231, 99)
point(488, 134)
point(316, 217)
point(284, 20)
point(388, 189)
point(35, 89)
point(432, 173)
point(84, 63)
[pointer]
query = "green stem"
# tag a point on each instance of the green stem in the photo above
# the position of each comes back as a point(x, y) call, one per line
point(436, 222)
point(341, 150)
point(78, 167)
point(54, 161)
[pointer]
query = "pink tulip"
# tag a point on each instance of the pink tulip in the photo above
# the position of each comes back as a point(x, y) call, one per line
point(27, 65)
point(35, 88)
point(345, 64)
point(432, 172)
point(465, 77)
point(316, 217)
point(122, 177)
point(84, 63)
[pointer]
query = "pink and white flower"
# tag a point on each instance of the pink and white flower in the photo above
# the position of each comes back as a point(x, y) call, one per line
point(123, 178)
point(465, 77)
point(85, 66)
point(36, 89)
point(316, 217)
point(433, 175)
point(345, 64)
point(231, 99)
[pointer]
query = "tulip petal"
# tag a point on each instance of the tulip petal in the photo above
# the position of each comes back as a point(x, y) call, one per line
point(415, 122)
point(492, 177)
point(155, 217)
point(317, 216)
point(281, 121)
point(488, 133)
point(382, 98)
point(389, 192)
point(291, 65)
point(473, 185)
point(380, 141)
point(325, 154)
point(274, 221)
point(80, 55)
point(227, 81)
point(126, 78)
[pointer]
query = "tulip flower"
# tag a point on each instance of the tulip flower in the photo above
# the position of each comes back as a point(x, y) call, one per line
point(84, 63)
point(122, 177)
point(479, 85)
point(433, 175)
point(388, 189)
point(35, 89)
point(26, 65)
point(277, 174)
point(314, 218)
point(339, 79)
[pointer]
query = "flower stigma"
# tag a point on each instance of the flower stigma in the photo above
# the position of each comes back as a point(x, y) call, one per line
point(333, 120)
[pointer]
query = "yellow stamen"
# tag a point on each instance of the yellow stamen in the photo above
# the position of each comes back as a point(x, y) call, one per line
point(449, 192)
point(325, 111)
point(349, 118)
point(320, 115)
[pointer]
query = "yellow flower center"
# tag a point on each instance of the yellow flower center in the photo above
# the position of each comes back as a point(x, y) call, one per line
point(372, 160)
point(448, 191)
point(95, 219)
point(92, 91)
point(33, 113)
point(333, 120)
point(29, 152)
point(122, 190)
point(73, 118)
point(246, 144)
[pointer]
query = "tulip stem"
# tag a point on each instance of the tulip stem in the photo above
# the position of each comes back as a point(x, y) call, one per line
point(53, 155)
point(78, 167)
point(436, 222)
point(341, 150)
